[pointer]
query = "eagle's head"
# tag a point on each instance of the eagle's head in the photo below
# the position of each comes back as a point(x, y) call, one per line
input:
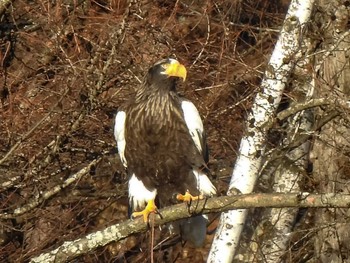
point(164, 73)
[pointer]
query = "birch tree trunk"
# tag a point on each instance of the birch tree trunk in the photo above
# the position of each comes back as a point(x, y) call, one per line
point(331, 149)
point(276, 228)
point(287, 165)
point(252, 146)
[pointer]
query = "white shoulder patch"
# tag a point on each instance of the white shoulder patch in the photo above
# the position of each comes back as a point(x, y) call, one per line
point(193, 122)
point(119, 135)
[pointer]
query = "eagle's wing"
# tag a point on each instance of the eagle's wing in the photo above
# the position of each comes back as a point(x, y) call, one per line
point(195, 126)
point(138, 193)
point(119, 135)
point(194, 229)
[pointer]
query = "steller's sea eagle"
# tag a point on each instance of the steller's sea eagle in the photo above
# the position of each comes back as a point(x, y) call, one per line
point(162, 143)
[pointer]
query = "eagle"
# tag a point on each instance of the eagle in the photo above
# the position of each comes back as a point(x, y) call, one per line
point(162, 144)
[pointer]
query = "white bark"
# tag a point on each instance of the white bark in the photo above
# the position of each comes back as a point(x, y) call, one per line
point(290, 171)
point(252, 146)
point(291, 167)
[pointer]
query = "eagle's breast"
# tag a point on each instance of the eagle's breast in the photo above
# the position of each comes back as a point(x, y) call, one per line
point(159, 148)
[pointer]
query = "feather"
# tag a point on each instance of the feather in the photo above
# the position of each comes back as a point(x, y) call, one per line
point(119, 135)
point(139, 194)
point(194, 123)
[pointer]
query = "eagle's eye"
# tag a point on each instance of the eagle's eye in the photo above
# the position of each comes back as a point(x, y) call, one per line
point(165, 66)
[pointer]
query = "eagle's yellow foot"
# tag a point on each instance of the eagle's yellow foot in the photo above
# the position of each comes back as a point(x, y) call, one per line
point(187, 197)
point(150, 208)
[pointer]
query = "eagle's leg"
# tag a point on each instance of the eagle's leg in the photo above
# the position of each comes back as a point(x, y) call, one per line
point(187, 197)
point(150, 208)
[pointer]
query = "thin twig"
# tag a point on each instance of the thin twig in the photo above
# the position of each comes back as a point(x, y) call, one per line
point(37, 200)
point(206, 40)
point(152, 237)
point(35, 126)
point(4, 5)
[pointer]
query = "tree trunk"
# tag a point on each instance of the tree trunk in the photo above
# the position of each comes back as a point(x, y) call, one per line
point(252, 146)
point(331, 148)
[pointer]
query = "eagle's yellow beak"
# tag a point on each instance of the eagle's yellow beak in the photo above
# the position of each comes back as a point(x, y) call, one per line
point(175, 69)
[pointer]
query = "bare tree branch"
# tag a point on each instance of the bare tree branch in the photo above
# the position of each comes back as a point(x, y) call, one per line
point(71, 249)
point(3, 6)
point(300, 106)
point(37, 200)
point(33, 128)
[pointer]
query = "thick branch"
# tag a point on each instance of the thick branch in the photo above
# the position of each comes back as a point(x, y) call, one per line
point(72, 249)
point(300, 106)
point(337, 103)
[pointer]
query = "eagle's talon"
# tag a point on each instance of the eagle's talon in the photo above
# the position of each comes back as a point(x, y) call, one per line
point(187, 197)
point(150, 208)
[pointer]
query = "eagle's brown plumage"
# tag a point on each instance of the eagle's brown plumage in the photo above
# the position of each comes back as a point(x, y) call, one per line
point(160, 150)
point(156, 140)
